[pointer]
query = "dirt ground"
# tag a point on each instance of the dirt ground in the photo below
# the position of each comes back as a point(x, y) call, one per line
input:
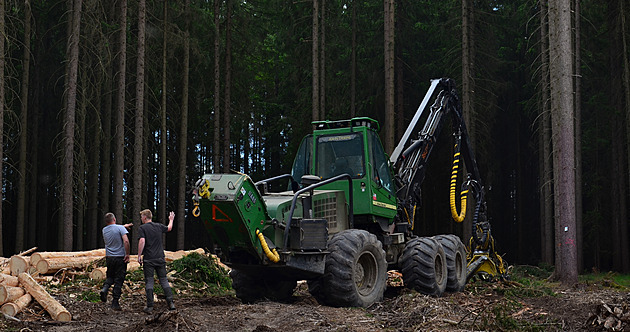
point(481, 307)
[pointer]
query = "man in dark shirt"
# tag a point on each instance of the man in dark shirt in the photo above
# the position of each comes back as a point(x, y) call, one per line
point(116, 258)
point(150, 246)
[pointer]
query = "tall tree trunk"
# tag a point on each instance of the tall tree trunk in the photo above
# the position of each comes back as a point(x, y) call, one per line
point(183, 139)
point(227, 121)
point(578, 134)
point(138, 163)
point(400, 104)
point(315, 52)
point(67, 204)
point(468, 88)
point(562, 120)
point(80, 191)
point(625, 254)
point(2, 100)
point(389, 7)
point(546, 187)
point(119, 132)
point(26, 60)
point(322, 67)
point(216, 148)
point(93, 167)
point(161, 213)
point(353, 65)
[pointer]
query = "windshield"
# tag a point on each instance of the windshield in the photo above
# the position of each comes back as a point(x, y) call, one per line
point(340, 154)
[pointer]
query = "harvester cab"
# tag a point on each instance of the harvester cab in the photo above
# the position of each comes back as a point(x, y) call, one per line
point(347, 217)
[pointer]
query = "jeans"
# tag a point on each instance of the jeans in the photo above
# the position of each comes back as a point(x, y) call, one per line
point(159, 269)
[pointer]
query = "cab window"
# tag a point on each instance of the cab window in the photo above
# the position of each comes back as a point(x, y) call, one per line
point(340, 154)
point(380, 166)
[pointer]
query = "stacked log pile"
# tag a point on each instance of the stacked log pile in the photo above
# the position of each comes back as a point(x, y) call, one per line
point(19, 275)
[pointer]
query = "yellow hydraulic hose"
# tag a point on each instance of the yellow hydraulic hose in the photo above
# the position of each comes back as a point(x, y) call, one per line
point(271, 254)
point(457, 217)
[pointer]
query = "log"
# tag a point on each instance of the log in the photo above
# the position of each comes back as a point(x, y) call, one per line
point(36, 257)
point(52, 306)
point(52, 265)
point(8, 280)
point(13, 308)
point(10, 293)
point(24, 253)
point(19, 264)
point(175, 255)
point(100, 273)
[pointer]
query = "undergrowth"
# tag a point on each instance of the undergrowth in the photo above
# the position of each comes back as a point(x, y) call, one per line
point(201, 275)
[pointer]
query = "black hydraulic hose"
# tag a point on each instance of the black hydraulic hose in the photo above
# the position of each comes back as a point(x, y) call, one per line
point(311, 187)
point(485, 227)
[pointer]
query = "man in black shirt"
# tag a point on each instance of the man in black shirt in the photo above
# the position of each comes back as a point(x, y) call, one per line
point(150, 246)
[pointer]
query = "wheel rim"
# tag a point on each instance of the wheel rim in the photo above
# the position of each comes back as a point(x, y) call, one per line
point(366, 273)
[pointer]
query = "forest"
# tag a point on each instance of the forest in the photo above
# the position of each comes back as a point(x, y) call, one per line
point(122, 105)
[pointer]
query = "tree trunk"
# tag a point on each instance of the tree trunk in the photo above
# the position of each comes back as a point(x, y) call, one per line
point(119, 133)
point(216, 148)
point(467, 89)
point(578, 135)
point(26, 60)
point(389, 7)
point(52, 265)
point(562, 120)
point(546, 187)
point(183, 139)
point(19, 264)
point(54, 308)
point(227, 121)
point(315, 113)
point(161, 213)
point(353, 64)
point(15, 307)
point(8, 280)
point(10, 293)
point(138, 152)
point(322, 67)
point(625, 254)
point(81, 162)
point(67, 204)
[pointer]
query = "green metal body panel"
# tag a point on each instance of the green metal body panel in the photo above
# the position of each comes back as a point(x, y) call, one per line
point(234, 211)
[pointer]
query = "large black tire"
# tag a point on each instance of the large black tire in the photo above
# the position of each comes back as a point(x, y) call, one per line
point(355, 273)
point(251, 288)
point(455, 261)
point(424, 266)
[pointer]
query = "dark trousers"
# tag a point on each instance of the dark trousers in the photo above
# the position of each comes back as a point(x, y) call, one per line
point(160, 269)
point(116, 271)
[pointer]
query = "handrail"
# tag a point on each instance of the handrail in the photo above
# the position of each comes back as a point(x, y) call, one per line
point(311, 187)
point(294, 184)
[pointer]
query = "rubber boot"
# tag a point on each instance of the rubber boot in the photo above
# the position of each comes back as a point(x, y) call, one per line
point(149, 308)
point(116, 305)
point(169, 298)
point(103, 292)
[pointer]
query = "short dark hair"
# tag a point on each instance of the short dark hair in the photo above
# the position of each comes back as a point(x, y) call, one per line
point(109, 217)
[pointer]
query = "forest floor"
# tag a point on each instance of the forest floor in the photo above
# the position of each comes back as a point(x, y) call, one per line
point(529, 303)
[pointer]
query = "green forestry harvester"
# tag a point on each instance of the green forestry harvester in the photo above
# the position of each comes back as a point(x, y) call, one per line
point(349, 214)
